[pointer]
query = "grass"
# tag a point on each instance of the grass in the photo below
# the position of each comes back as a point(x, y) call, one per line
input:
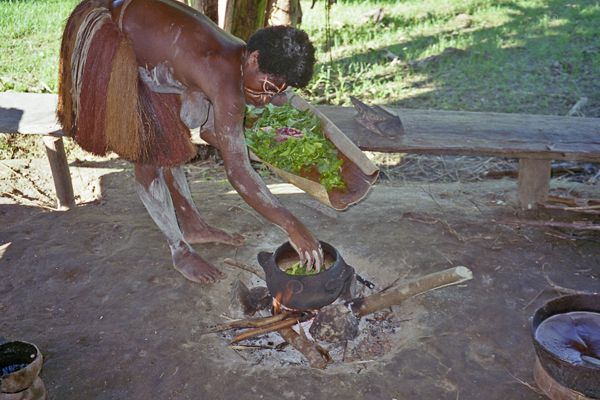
point(525, 56)
point(31, 32)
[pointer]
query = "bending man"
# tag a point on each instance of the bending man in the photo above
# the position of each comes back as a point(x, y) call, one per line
point(136, 75)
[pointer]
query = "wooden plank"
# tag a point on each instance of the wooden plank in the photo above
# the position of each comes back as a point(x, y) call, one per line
point(63, 185)
point(29, 113)
point(534, 182)
point(474, 133)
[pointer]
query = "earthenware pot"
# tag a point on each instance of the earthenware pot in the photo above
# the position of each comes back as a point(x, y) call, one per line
point(584, 379)
point(24, 383)
point(308, 292)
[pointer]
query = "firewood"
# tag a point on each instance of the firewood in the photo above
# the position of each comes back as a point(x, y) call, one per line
point(250, 323)
point(394, 296)
point(317, 356)
point(250, 333)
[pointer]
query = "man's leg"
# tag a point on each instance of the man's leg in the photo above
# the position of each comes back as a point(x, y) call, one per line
point(195, 230)
point(153, 191)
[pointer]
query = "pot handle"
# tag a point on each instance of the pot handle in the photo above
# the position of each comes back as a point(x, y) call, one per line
point(265, 260)
point(333, 284)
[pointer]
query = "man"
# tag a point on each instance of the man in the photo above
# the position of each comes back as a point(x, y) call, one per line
point(135, 75)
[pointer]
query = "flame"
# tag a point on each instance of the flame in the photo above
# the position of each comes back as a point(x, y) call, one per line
point(280, 299)
point(277, 304)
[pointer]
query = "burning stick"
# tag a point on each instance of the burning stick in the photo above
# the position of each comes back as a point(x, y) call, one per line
point(317, 356)
point(286, 323)
point(251, 323)
point(370, 304)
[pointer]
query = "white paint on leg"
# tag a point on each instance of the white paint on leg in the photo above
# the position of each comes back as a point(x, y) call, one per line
point(158, 203)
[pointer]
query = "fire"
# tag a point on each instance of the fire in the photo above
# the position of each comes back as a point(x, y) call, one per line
point(280, 299)
point(277, 304)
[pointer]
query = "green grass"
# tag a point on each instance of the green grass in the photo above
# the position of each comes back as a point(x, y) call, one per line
point(528, 56)
point(31, 32)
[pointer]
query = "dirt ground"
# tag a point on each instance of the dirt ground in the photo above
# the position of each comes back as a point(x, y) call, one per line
point(94, 290)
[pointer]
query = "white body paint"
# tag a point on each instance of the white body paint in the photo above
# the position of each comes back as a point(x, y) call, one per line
point(158, 202)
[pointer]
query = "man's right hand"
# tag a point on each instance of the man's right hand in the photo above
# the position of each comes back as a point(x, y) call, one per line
point(308, 248)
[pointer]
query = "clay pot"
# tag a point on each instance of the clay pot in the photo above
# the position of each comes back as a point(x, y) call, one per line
point(23, 384)
point(581, 378)
point(309, 292)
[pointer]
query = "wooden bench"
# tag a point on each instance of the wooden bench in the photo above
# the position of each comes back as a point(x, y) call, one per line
point(535, 140)
point(34, 114)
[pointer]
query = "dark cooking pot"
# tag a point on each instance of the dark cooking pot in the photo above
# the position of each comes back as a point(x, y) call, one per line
point(581, 378)
point(305, 292)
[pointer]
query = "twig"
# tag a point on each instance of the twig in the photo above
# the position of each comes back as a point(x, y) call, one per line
point(556, 224)
point(593, 210)
point(250, 347)
point(33, 184)
point(576, 109)
point(22, 198)
point(245, 267)
point(562, 289)
point(522, 382)
point(532, 300)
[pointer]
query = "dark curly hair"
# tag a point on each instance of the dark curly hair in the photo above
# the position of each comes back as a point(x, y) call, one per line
point(284, 52)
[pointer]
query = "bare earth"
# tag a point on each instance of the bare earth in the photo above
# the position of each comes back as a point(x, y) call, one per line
point(94, 289)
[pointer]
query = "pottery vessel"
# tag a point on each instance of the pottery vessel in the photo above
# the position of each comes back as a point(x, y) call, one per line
point(308, 292)
point(22, 384)
point(581, 378)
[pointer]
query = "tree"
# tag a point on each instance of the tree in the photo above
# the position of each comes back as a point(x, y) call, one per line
point(284, 12)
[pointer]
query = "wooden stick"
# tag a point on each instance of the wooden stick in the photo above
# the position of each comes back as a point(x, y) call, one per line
point(583, 210)
point(379, 301)
point(581, 225)
point(245, 267)
point(317, 356)
point(250, 333)
point(250, 323)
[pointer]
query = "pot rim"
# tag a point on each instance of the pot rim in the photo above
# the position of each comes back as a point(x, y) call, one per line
point(562, 305)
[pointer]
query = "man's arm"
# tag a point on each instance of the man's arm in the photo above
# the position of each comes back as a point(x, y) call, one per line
point(225, 93)
point(229, 136)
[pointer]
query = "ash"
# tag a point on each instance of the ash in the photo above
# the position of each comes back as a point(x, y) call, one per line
point(378, 335)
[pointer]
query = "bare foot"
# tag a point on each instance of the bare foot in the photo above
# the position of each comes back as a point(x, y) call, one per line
point(208, 234)
point(194, 267)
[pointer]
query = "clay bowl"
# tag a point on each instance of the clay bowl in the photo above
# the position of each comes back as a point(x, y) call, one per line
point(582, 377)
point(309, 292)
point(14, 353)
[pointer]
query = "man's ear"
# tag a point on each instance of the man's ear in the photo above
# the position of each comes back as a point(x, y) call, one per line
point(253, 58)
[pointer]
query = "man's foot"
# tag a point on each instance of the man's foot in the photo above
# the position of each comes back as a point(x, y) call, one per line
point(194, 267)
point(208, 234)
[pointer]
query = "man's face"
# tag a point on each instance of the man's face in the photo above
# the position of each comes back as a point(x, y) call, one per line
point(260, 88)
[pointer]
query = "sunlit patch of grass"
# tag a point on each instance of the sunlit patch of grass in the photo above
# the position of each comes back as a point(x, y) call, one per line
point(31, 32)
point(529, 56)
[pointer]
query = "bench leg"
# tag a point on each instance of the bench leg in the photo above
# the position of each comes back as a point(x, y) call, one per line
point(57, 158)
point(534, 182)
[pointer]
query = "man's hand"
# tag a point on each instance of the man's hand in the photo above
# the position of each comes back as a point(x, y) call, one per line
point(308, 248)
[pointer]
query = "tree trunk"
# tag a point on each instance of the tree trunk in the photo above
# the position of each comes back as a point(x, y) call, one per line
point(283, 12)
point(244, 17)
point(210, 8)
